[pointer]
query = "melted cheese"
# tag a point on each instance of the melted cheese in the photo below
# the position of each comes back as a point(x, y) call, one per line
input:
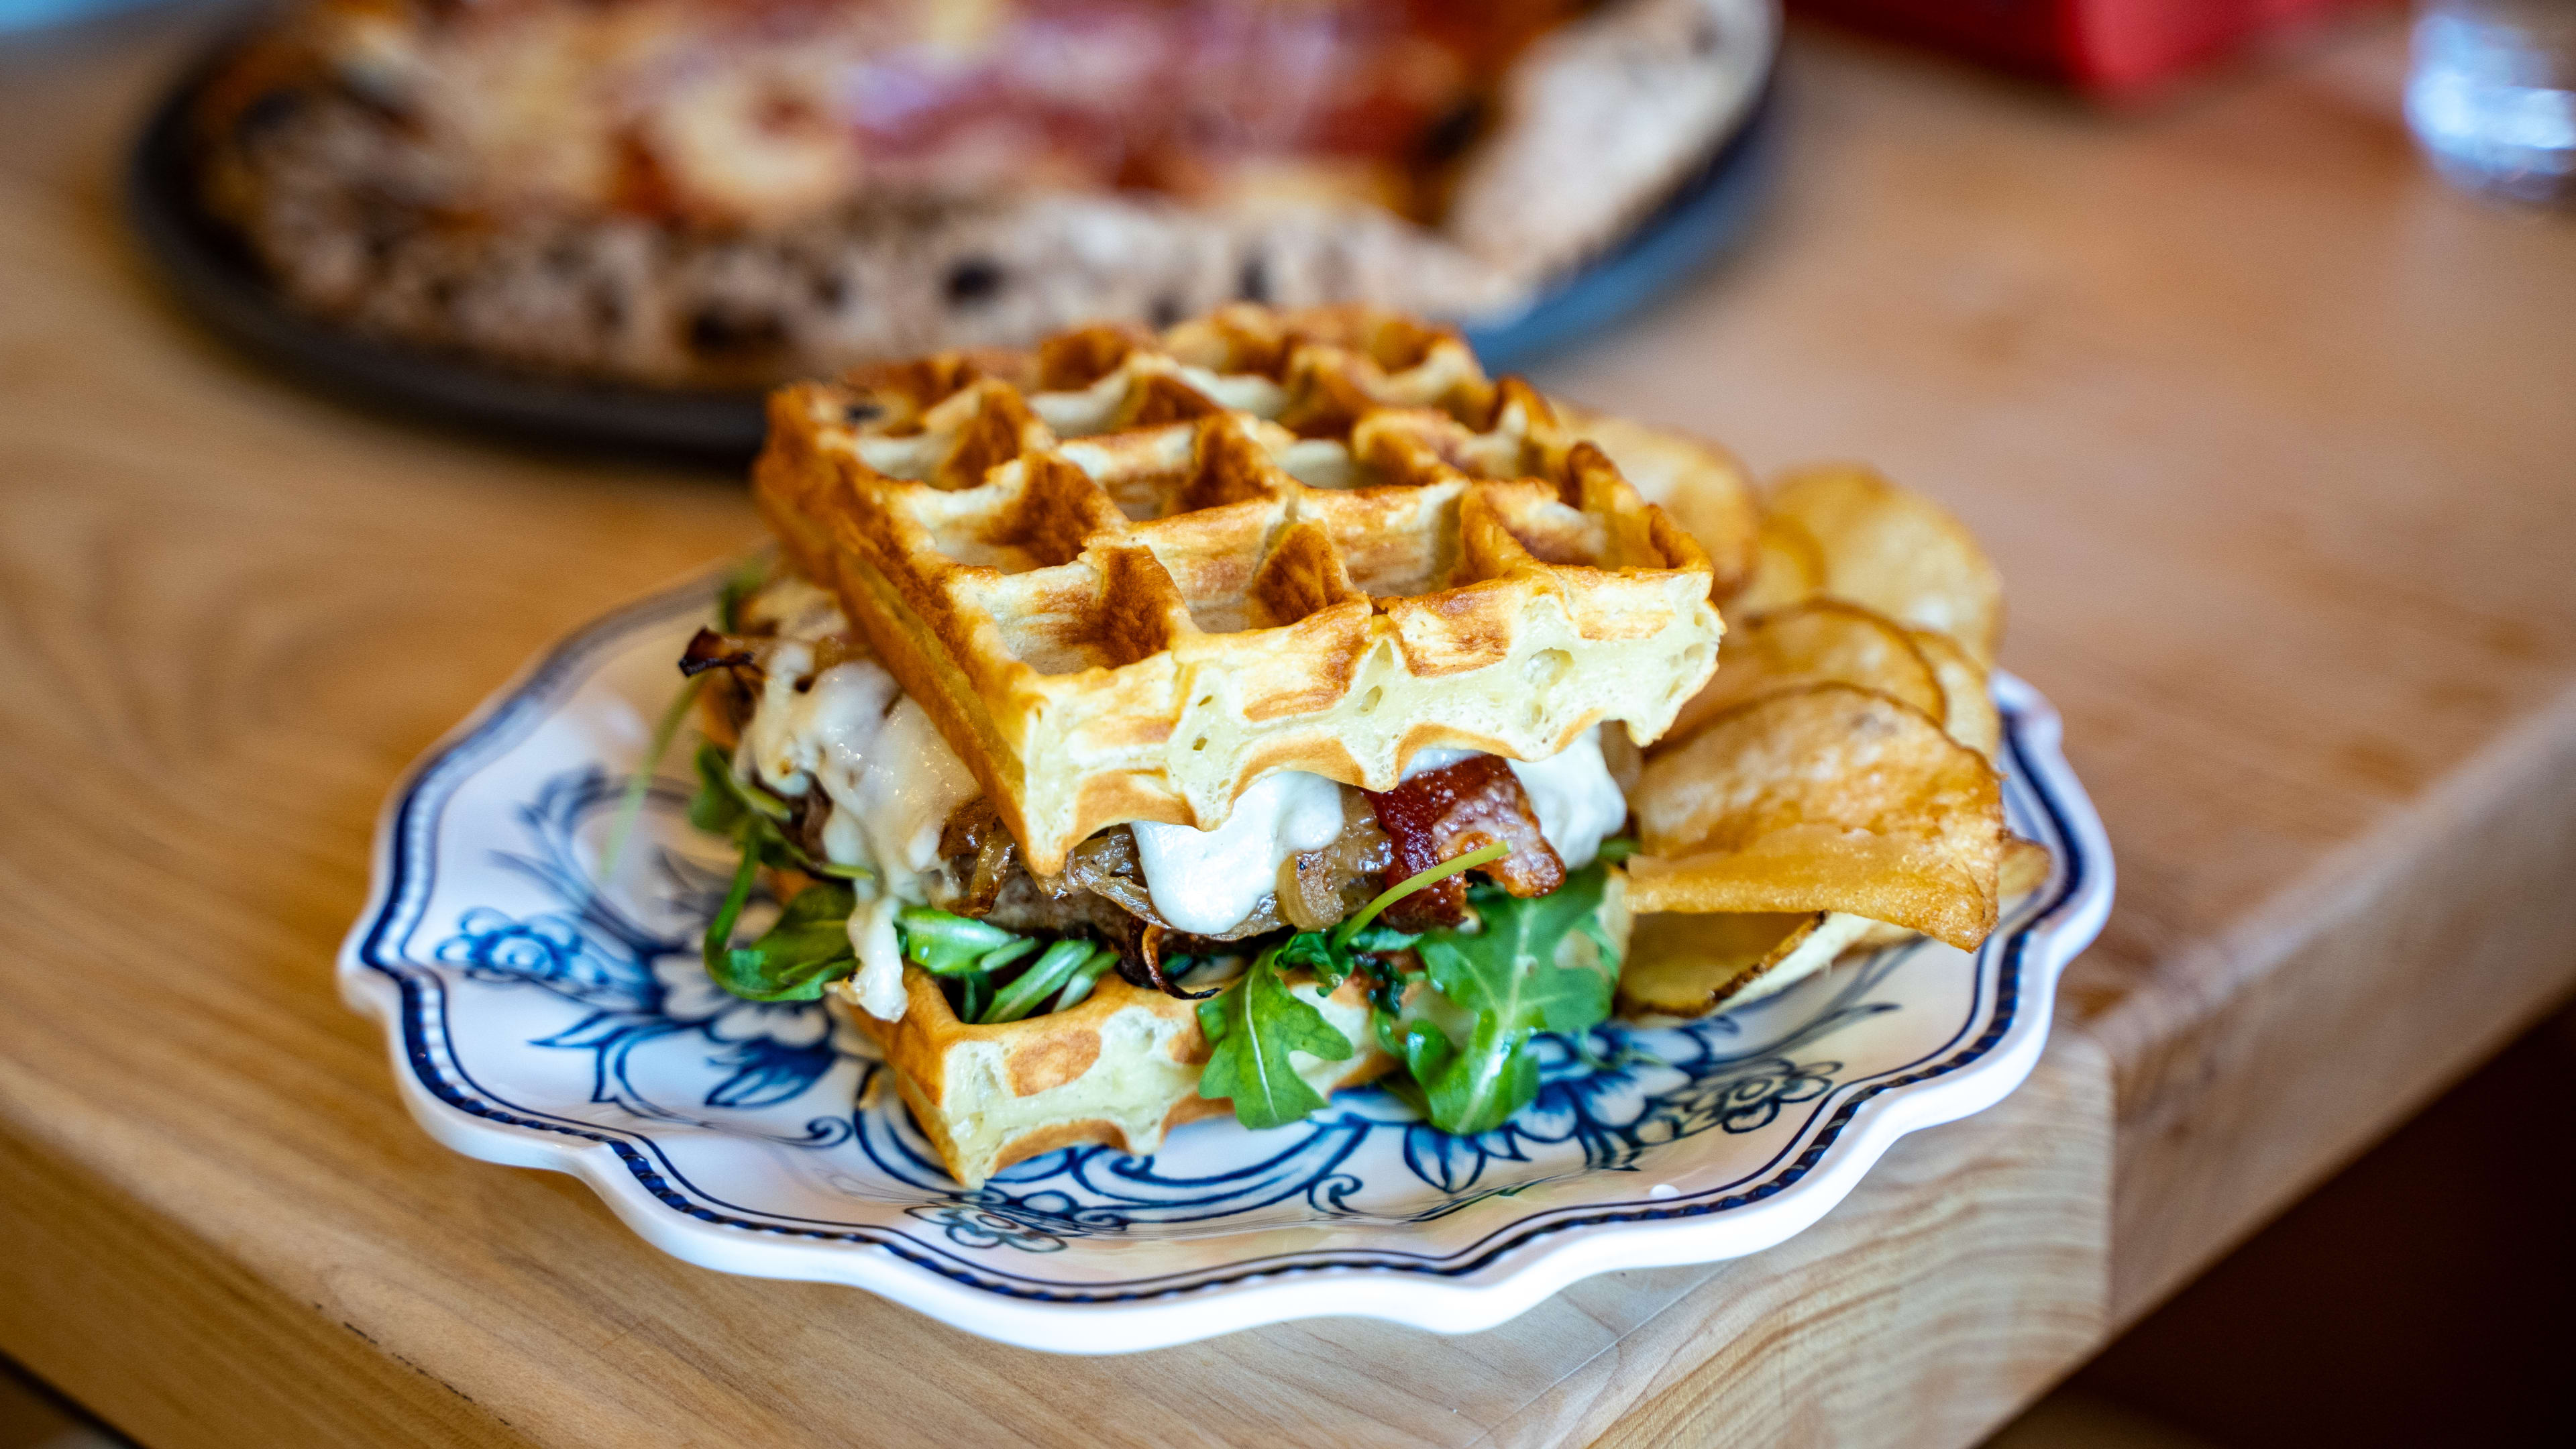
point(1207, 881)
point(892, 781)
point(879, 982)
point(1577, 803)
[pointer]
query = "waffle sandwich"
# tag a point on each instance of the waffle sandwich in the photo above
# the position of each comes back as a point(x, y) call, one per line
point(1152, 725)
point(1127, 717)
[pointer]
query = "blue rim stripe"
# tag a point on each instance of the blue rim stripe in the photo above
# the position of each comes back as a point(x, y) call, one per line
point(417, 815)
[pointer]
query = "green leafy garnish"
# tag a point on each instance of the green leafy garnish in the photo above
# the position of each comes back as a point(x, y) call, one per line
point(1252, 1026)
point(1419, 880)
point(718, 941)
point(1044, 978)
point(741, 584)
point(730, 806)
point(1508, 980)
point(1085, 977)
point(793, 967)
point(723, 801)
point(948, 945)
point(807, 949)
point(1255, 1023)
point(630, 803)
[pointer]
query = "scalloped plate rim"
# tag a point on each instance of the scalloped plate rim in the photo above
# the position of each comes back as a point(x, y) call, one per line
point(1543, 1257)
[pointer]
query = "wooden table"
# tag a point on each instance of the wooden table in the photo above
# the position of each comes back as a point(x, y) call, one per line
point(2271, 435)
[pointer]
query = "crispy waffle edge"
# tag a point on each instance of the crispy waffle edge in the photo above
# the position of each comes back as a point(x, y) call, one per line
point(1120, 1069)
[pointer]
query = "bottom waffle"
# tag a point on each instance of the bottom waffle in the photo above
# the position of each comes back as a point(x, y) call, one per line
point(1120, 1069)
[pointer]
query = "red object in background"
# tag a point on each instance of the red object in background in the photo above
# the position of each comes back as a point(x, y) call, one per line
point(2115, 48)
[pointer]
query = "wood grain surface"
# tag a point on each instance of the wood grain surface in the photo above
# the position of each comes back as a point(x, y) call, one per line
point(2270, 435)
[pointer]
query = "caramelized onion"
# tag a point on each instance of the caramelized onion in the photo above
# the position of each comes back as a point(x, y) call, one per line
point(711, 650)
point(976, 837)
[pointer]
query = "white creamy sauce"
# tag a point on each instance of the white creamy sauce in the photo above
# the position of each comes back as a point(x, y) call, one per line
point(892, 781)
point(1206, 881)
point(1435, 758)
point(878, 986)
point(1577, 802)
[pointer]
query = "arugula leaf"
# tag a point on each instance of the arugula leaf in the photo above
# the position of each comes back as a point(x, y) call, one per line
point(1508, 968)
point(1078, 990)
point(1252, 1026)
point(1506, 974)
point(950, 945)
point(724, 803)
point(741, 584)
point(1381, 939)
point(719, 937)
point(1485, 855)
point(1044, 976)
point(808, 948)
point(1314, 951)
point(1329, 956)
point(723, 800)
point(630, 802)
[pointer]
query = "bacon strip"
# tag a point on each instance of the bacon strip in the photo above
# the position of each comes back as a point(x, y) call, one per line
point(1441, 814)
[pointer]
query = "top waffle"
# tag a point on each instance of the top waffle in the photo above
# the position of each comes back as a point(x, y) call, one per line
point(1130, 575)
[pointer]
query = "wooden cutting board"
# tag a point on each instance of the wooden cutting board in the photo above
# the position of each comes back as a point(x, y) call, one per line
point(2269, 433)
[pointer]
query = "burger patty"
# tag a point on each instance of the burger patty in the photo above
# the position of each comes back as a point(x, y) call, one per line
point(1103, 880)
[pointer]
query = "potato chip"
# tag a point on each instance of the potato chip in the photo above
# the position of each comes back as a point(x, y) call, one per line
point(1822, 798)
point(1971, 717)
point(1896, 552)
point(2025, 868)
point(1787, 567)
point(1817, 642)
point(1699, 484)
point(1692, 965)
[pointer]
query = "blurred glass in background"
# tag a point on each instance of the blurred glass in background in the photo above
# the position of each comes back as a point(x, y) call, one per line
point(2492, 95)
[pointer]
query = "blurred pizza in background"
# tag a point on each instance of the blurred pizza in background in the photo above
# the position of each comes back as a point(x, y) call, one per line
point(727, 193)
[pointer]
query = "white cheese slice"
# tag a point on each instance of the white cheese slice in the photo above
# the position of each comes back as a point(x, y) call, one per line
point(1207, 881)
point(892, 781)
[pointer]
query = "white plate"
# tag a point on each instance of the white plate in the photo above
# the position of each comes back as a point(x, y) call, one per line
point(536, 1021)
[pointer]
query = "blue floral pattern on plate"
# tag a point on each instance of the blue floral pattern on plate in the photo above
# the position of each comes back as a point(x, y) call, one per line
point(545, 1016)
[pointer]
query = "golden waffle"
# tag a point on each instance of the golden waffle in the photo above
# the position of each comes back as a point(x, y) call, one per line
point(1128, 575)
point(1121, 1068)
